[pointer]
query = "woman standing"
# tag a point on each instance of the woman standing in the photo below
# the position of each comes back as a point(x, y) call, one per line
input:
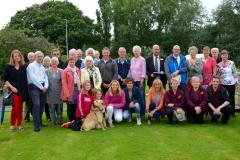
point(138, 73)
point(194, 65)
point(46, 65)
point(91, 73)
point(209, 67)
point(155, 100)
point(228, 76)
point(115, 102)
point(15, 79)
point(54, 91)
point(71, 87)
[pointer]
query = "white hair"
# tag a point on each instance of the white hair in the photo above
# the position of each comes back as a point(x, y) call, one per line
point(89, 50)
point(176, 46)
point(215, 49)
point(54, 59)
point(96, 52)
point(122, 48)
point(39, 52)
point(88, 58)
point(72, 51)
point(195, 79)
point(175, 79)
point(30, 54)
point(136, 47)
point(193, 48)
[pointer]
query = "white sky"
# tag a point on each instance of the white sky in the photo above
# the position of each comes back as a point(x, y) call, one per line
point(9, 8)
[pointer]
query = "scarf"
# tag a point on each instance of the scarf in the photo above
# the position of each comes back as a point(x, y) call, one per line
point(75, 76)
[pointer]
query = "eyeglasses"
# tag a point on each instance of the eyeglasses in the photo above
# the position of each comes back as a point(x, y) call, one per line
point(55, 54)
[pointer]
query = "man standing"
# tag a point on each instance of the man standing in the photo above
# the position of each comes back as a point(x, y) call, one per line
point(108, 69)
point(218, 101)
point(73, 54)
point(56, 53)
point(28, 104)
point(155, 67)
point(38, 84)
point(215, 55)
point(175, 66)
point(123, 66)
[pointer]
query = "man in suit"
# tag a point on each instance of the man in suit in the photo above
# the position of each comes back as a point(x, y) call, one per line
point(155, 67)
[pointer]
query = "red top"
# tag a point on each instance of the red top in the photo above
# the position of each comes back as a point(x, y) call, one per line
point(208, 69)
point(85, 102)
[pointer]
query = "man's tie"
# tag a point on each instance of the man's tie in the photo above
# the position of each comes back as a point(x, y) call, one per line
point(156, 64)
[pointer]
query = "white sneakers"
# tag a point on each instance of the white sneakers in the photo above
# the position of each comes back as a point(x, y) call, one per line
point(139, 121)
point(149, 122)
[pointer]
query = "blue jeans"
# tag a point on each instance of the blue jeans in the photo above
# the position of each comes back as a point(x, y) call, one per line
point(157, 114)
point(38, 103)
point(128, 112)
point(137, 84)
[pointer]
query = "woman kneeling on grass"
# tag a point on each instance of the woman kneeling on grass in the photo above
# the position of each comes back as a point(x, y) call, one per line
point(133, 101)
point(115, 102)
point(155, 100)
point(85, 101)
point(174, 99)
point(197, 99)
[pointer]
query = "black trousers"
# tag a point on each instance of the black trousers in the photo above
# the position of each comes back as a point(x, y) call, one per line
point(71, 110)
point(28, 109)
point(47, 111)
point(192, 117)
point(226, 112)
point(231, 92)
point(169, 113)
point(77, 125)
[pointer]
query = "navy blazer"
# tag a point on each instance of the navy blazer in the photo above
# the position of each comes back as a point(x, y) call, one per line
point(136, 97)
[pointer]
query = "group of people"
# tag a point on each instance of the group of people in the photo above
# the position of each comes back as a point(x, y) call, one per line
point(197, 86)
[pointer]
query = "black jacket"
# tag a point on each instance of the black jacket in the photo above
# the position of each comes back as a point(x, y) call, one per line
point(150, 70)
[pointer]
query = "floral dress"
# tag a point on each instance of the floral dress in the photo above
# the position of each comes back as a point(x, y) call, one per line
point(228, 73)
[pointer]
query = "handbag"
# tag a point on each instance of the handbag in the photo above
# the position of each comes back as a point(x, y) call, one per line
point(7, 98)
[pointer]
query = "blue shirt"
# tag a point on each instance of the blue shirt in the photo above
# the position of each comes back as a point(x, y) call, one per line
point(36, 75)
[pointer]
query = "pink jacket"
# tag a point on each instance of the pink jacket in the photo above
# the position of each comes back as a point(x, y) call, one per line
point(68, 84)
point(118, 102)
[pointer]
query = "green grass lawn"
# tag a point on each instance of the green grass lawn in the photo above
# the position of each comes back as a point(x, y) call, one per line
point(125, 141)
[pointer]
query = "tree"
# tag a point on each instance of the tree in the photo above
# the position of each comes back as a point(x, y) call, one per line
point(144, 22)
point(104, 20)
point(48, 20)
point(15, 39)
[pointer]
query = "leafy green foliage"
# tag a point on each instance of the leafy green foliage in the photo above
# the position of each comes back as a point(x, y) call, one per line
point(49, 20)
point(15, 39)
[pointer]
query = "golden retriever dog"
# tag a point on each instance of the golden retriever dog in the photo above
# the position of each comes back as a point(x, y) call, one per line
point(95, 118)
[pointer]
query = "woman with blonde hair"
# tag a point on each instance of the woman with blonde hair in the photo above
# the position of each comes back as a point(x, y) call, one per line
point(15, 79)
point(115, 102)
point(155, 100)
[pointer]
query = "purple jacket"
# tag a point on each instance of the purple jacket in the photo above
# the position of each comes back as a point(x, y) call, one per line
point(199, 98)
point(178, 100)
point(118, 102)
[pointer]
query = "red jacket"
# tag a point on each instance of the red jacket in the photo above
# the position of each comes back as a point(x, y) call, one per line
point(85, 102)
point(68, 84)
